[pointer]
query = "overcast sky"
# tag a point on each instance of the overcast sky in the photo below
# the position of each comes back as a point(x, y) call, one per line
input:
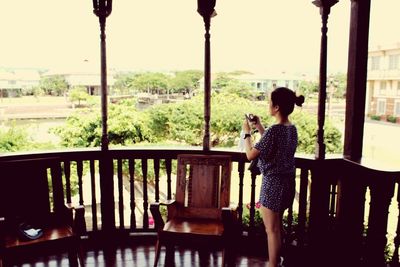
point(266, 35)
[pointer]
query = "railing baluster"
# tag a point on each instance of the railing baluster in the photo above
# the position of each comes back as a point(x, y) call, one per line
point(157, 179)
point(56, 181)
point(252, 203)
point(145, 195)
point(241, 165)
point(79, 170)
point(93, 191)
point(302, 206)
point(168, 167)
point(132, 189)
point(120, 194)
point(67, 172)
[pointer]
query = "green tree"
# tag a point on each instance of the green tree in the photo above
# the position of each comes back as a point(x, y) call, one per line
point(17, 138)
point(124, 82)
point(53, 85)
point(183, 122)
point(151, 82)
point(126, 126)
point(185, 81)
point(78, 93)
point(340, 80)
point(308, 88)
point(13, 139)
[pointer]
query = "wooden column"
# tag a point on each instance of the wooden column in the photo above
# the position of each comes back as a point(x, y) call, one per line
point(324, 9)
point(102, 9)
point(356, 79)
point(206, 10)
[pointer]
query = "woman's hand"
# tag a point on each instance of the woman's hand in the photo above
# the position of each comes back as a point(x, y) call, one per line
point(257, 124)
point(246, 127)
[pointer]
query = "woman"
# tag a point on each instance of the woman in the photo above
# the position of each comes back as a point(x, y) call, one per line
point(275, 149)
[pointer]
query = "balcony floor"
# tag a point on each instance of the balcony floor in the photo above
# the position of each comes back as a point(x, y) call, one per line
point(142, 255)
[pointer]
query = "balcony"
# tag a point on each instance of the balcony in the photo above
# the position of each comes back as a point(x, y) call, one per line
point(324, 222)
point(341, 212)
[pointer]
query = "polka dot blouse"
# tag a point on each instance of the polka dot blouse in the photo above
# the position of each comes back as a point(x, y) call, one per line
point(276, 162)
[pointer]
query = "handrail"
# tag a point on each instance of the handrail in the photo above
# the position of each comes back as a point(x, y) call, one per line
point(331, 193)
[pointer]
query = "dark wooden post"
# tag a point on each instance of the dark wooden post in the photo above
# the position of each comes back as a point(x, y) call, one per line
point(319, 193)
point(356, 79)
point(324, 9)
point(102, 9)
point(206, 10)
point(352, 187)
point(382, 190)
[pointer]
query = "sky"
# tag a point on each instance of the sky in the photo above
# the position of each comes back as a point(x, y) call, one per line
point(162, 35)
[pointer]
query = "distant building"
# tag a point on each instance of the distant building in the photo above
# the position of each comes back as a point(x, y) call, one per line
point(383, 81)
point(268, 82)
point(265, 83)
point(83, 74)
point(14, 82)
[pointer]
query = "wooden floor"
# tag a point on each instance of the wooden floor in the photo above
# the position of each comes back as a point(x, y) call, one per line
point(142, 256)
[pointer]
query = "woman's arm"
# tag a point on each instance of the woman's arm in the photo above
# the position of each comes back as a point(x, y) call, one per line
point(251, 152)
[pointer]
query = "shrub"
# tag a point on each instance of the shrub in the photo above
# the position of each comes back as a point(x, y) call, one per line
point(375, 117)
point(391, 118)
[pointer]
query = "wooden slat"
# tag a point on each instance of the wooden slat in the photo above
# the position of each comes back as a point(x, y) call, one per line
point(120, 194)
point(132, 189)
point(93, 192)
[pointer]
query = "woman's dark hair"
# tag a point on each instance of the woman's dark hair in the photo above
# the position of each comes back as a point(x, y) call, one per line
point(285, 99)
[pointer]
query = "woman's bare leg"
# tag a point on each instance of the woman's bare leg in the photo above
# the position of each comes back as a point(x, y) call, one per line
point(273, 226)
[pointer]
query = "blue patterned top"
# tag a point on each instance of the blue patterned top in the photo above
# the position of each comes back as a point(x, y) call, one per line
point(277, 146)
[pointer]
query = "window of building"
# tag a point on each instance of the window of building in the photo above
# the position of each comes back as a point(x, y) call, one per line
point(381, 110)
point(398, 87)
point(382, 87)
point(397, 108)
point(393, 62)
point(375, 62)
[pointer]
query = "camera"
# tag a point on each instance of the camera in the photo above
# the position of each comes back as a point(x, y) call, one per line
point(251, 118)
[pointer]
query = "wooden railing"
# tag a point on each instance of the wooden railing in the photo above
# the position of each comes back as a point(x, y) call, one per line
point(339, 206)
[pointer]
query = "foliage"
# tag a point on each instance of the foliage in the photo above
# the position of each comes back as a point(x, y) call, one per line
point(308, 88)
point(375, 117)
point(307, 134)
point(391, 118)
point(124, 82)
point(258, 222)
point(13, 139)
point(125, 126)
point(151, 82)
point(16, 138)
point(185, 81)
point(341, 84)
point(53, 85)
point(79, 94)
point(229, 84)
point(181, 122)
point(227, 117)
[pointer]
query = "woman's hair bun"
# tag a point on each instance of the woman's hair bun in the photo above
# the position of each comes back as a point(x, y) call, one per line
point(299, 100)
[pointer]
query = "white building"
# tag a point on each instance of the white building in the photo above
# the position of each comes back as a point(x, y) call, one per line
point(84, 74)
point(383, 81)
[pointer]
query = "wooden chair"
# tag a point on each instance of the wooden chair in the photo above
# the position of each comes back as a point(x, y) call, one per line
point(28, 195)
point(200, 215)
